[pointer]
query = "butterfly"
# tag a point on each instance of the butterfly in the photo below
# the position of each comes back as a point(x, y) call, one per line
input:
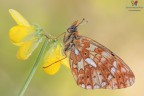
point(94, 66)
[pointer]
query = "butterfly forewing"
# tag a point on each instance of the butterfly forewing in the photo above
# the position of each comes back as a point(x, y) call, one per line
point(94, 66)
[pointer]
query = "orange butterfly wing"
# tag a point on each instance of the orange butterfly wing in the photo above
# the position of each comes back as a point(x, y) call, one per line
point(94, 66)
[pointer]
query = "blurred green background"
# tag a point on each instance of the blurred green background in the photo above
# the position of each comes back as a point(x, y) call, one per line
point(109, 22)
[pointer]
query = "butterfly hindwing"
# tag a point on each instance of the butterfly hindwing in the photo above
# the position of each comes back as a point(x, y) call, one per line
point(94, 66)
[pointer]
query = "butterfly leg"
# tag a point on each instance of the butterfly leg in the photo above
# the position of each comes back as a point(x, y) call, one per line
point(64, 39)
point(57, 60)
point(64, 33)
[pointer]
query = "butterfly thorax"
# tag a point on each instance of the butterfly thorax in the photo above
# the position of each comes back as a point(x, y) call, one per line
point(69, 40)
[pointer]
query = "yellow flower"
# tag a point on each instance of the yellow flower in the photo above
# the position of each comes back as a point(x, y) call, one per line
point(53, 56)
point(28, 37)
point(24, 35)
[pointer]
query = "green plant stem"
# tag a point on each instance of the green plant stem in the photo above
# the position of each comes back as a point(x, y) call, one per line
point(30, 76)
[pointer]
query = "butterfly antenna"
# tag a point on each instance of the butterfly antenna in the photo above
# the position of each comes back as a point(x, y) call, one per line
point(81, 22)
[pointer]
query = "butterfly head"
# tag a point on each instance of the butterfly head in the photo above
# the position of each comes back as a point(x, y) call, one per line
point(73, 27)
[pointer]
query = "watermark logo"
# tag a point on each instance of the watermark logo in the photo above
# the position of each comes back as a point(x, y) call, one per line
point(134, 2)
point(134, 6)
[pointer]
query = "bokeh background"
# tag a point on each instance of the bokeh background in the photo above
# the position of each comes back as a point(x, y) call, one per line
point(109, 22)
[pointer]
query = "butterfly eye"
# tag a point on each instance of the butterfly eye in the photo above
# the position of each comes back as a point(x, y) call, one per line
point(73, 28)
